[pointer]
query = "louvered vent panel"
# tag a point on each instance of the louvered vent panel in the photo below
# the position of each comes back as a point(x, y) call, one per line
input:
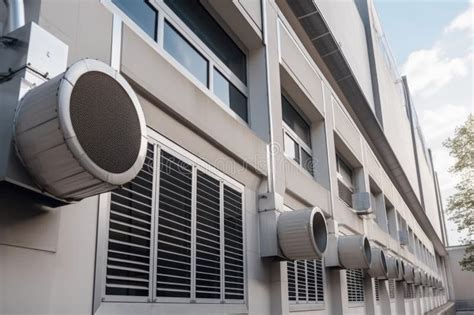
point(301, 279)
point(208, 269)
point(174, 228)
point(391, 288)
point(291, 281)
point(233, 246)
point(311, 281)
point(344, 193)
point(355, 285)
point(129, 245)
point(376, 288)
point(319, 280)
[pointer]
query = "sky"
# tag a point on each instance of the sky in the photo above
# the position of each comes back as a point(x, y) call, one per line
point(433, 44)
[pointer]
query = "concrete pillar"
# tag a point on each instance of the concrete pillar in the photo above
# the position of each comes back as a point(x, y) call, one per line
point(279, 289)
point(399, 298)
point(384, 297)
point(335, 295)
point(369, 296)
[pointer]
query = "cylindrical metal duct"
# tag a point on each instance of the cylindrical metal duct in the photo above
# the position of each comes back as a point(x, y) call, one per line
point(409, 275)
point(424, 278)
point(81, 133)
point(378, 265)
point(401, 270)
point(393, 267)
point(354, 251)
point(16, 15)
point(418, 277)
point(302, 234)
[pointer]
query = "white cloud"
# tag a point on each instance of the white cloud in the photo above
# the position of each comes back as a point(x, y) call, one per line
point(463, 22)
point(428, 70)
point(438, 124)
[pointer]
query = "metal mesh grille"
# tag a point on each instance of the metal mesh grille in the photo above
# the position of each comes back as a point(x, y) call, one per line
point(233, 246)
point(355, 285)
point(128, 255)
point(305, 281)
point(105, 122)
point(344, 193)
point(174, 228)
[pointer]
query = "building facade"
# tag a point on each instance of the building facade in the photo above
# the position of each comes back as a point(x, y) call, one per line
point(253, 108)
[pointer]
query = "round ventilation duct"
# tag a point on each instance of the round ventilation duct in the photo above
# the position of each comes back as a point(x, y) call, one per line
point(354, 251)
point(393, 267)
point(424, 278)
point(81, 133)
point(410, 274)
point(302, 234)
point(418, 277)
point(401, 270)
point(378, 265)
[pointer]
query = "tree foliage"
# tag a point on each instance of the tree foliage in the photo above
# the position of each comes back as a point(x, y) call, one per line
point(460, 205)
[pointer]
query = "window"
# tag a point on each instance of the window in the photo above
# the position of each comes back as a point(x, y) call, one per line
point(142, 13)
point(344, 180)
point(198, 19)
point(305, 281)
point(297, 136)
point(196, 41)
point(355, 285)
point(175, 234)
point(391, 288)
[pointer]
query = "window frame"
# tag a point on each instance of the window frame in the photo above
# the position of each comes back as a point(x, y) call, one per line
point(166, 14)
point(302, 146)
point(159, 142)
point(340, 177)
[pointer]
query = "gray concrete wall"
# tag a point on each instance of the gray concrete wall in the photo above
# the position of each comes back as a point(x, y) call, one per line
point(462, 281)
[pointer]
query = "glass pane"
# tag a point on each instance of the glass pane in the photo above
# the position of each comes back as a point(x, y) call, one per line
point(294, 120)
point(196, 17)
point(185, 54)
point(307, 161)
point(142, 13)
point(230, 95)
point(291, 148)
point(344, 170)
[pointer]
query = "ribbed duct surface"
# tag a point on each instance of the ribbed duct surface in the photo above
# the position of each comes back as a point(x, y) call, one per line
point(418, 277)
point(393, 267)
point(81, 133)
point(378, 265)
point(409, 275)
point(302, 234)
point(354, 251)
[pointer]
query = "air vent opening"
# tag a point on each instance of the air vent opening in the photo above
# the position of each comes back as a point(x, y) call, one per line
point(320, 232)
point(105, 121)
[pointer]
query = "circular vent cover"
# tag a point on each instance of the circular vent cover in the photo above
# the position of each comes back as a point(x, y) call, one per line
point(81, 133)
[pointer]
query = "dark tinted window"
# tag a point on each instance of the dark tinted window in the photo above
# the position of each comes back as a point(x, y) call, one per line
point(142, 13)
point(185, 54)
point(294, 120)
point(230, 95)
point(196, 17)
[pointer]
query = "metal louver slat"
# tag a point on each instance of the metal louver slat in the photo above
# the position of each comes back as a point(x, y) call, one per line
point(319, 280)
point(173, 279)
point(344, 193)
point(129, 246)
point(291, 281)
point(355, 285)
point(391, 288)
point(233, 241)
point(376, 289)
point(208, 253)
point(305, 281)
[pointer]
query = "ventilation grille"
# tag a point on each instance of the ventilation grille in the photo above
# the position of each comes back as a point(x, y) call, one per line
point(355, 285)
point(129, 246)
point(345, 193)
point(106, 124)
point(174, 228)
point(391, 288)
point(305, 281)
point(195, 252)
point(376, 289)
point(234, 250)
point(408, 292)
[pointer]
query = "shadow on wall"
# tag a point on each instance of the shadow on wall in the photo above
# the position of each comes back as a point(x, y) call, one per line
point(463, 282)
